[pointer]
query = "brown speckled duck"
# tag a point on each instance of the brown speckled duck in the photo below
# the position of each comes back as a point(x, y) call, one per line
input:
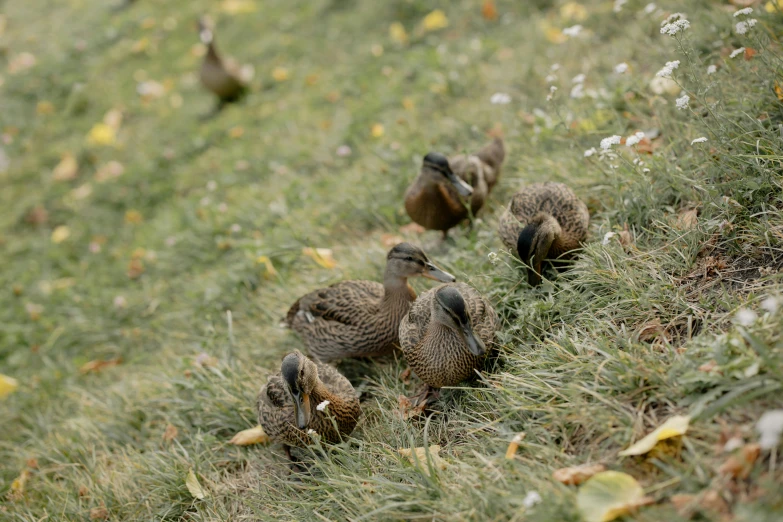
point(544, 221)
point(439, 196)
point(447, 334)
point(362, 318)
point(216, 75)
point(292, 403)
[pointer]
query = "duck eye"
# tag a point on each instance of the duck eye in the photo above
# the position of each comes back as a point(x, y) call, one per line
point(409, 258)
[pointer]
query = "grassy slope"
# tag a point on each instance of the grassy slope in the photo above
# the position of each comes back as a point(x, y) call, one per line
point(578, 374)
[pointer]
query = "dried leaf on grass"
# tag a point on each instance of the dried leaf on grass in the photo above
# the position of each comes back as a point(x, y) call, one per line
point(687, 219)
point(170, 433)
point(60, 234)
point(412, 228)
point(250, 436)
point(8, 385)
point(575, 475)
point(99, 365)
point(194, 486)
point(710, 500)
point(99, 513)
point(435, 20)
point(419, 458)
point(741, 463)
point(269, 268)
point(673, 427)
point(323, 256)
point(408, 410)
point(389, 240)
point(513, 446)
point(608, 495)
point(489, 10)
point(66, 169)
point(18, 485)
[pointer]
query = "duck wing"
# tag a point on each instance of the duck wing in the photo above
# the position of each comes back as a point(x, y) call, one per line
point(345, 302)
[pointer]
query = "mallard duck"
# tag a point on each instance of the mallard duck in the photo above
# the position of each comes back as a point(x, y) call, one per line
point(219, 77)
point(304, 396)
point(362, 318)
point(437, 199)
point(544, 221)
point(447, 334)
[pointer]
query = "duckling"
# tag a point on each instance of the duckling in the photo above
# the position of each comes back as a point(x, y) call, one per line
point(447, 334)
point(289, 404)
point(219, 77)
point(435, 198)
point(362, 318)
point(544, 221)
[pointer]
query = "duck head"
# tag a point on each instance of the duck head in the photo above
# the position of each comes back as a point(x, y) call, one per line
point(300, 376)
point(438, 165)
point(204, 31)
point(534, 242)
point(406, 260)
point(448, 308)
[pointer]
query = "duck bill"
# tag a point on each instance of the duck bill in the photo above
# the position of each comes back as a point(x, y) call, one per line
point(302, 410)
point(433, 272)
point(463, 189)
point(475, 345)
point(534, 275)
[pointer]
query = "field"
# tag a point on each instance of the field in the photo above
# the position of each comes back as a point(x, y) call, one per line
point(149, 253)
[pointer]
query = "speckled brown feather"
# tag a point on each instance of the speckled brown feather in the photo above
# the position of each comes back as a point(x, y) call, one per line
point(438, 354)
point(276, 411)
point(555, 199)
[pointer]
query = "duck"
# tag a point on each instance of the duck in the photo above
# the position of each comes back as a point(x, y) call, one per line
point(544, 221)
point(447, 334)
point(447, 191)
point(307, 395)
point(362, 318)
point(217, 75)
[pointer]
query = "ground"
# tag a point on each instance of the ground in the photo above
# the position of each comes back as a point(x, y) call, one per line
point(149, 252)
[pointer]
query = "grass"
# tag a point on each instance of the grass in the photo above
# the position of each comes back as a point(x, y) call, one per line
point(590, 362)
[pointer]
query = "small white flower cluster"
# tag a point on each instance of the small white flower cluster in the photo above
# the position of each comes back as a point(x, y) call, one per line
point(500, 98)
point(531, 499)
point(322, 406)
point(578, 90)
point(632, 140)
point(674, 24)
point(493, 258)
point(712, 69)
point(745, 317)
point(770, 428)
point(649, 8)
point(668, 69)
point(682, 102)
point(618, 5)
point(637, 161)
point(737, 52)
point(742, 12)
point(771, 304)
point(607, 238)
point(552, 90)
point(699, 140)
point(620, 68)
point(607, 143)
point(743, 27)
point(572, 31)
point(589, 152)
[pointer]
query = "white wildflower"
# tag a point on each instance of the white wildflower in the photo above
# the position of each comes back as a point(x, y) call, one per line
point(667, 70)
point(578, 91)
point(211, 185)
point(531, 499)
point(322, 406)
point(743, 27)
point(649, 8)
point(771, 304)
point(572, 31)
point(552, 90)
point(620, 68)
point(607, 143)
point(555, 67)
point(745, 317)
point(343, 151)
point(646, 171)
point(205, 201)
point(682, 102)
point(500, 98)
point(579, 78)
point(674, 28)
point(737, 52)
point(770, 427)
point(589, 152)
point(636, 161)
point(699, 140)
point(618, 5)
point(551, 78)
point(493, 258)
point(632, 140)
point(712, 69)
point(673, 17)
point(740, 12)
point(608, 237)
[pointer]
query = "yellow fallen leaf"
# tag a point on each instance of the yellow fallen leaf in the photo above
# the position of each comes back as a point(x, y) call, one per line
point(133, 217)
point(60, 234)
point(408, 104)
point(269, 268)
point(100, 364)
point(233, 7)
point(17, 486)
point(113, 118)
point(194, 487)
point(551, 33)
point(322, 256)
point(435, 20)
point(513, 446)
point(573, 11)
point(7, 385)
point(251, 436)
point(280, 74)
point(576, 475)
point(236, 132)
point(82, 192)
point(66, 169)
point(421, 457)
point(44, 108)
point(774, 5)
point(140, 45)
point(608, 495)
point(687, 219)
point(673, 427)
point(377, 130)
point(779, 90)
point(101, 134)
point(398, 34)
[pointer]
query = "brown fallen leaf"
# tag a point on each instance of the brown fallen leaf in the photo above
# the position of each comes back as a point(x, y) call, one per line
point(99, 513)
point(170, 433)
point(489, 10)
point(37, 215)
point(750, 53)
point(135, 268)
point(83, 491)
point(709, 367)
point(250, 436)
point(418, 457)
point(408, 410)
point(741, 463)
point(412, 228)
point(687, 219)
point(389, 240)
point(625, 236)
point(99, 365)
point(405, 376)
point(574, 476)
point(513, 446)
point(651, 330)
